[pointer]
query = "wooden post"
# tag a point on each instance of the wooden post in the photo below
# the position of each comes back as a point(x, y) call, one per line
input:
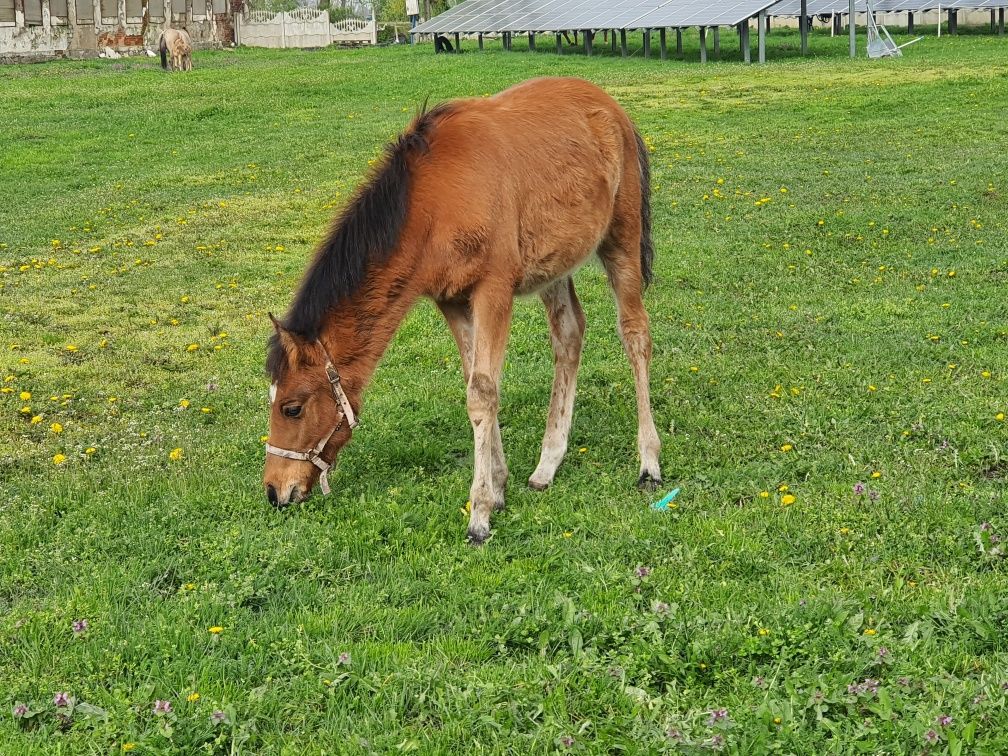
point(664, 44)
point(1001, 24)
point(458, 44)
point(910, 22)
point(559, 44)
point(993, 20)
point(762, 36)
point(647, 44)
point(953, 21)
point(532, 41)
point(479, 40)
point(587, 41)
point(717, 42)
point(703, 44)
point(678, 43)
point(744, 41)
point(612, 41)
point(622, 40)
point(803, 24)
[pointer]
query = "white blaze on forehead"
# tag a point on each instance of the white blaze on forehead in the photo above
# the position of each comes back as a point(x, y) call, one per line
point(272, 392)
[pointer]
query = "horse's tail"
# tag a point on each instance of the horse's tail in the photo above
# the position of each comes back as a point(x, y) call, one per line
point(646, 242)
point(164, 52)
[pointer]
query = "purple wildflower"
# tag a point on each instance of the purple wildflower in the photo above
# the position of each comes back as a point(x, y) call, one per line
point(566, 741)
point(717, 742)
point(80, 626)
point(344, 659)
point(985, 526)
point(944, 720)
point(758, 681)
point(871, 686)
point(61, 699)
point(859, 488)
point(162, 707)
point(20, 711)
point(660, 607)
point(979, 698)
point(874, 495)
point(218, 717)
point(717, 715)
point(673, 734)
point(615, 671)
point(1004, 686)
point(904, 681)
point(883, 653)
point(931, 737)
point(642, 571)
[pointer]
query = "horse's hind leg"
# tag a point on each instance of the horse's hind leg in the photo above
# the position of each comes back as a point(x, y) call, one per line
point(620, 255)
point(567, 325)
point(460, 321)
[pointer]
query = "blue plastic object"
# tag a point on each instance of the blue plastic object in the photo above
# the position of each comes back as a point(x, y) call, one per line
point(663, 505)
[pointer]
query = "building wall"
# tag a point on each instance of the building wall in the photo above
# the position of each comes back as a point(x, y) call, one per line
point(46, 29)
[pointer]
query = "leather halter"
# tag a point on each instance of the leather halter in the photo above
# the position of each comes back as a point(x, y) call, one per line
point(313, 455)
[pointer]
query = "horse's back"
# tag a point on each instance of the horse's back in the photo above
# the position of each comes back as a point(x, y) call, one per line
point(525, 180)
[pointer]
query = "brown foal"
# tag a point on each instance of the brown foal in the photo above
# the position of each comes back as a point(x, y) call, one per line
point(479, 201)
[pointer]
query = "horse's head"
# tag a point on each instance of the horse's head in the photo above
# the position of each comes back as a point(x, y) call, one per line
point(310, 417)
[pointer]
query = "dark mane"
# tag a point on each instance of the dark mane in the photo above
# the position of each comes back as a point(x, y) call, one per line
point(365, 232)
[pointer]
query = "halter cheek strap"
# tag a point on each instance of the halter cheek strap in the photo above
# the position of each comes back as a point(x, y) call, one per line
point(314, 455)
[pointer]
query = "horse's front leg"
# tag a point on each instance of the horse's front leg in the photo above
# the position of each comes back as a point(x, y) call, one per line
point(491, 313)
point(459, 317)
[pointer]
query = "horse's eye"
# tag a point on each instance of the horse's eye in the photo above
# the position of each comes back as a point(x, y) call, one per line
point(292, 410)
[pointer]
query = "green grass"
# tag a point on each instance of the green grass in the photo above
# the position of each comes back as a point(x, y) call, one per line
point(831, 263)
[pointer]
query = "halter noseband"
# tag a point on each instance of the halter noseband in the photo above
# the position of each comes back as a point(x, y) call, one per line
point(313, 455)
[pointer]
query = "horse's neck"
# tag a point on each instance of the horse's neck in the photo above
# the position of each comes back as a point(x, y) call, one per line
point(360, 329)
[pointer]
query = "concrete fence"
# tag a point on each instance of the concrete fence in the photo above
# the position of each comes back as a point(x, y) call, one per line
point(302, 27)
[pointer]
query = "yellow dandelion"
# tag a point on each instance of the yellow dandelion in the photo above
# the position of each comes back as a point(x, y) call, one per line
point(216, 630)
point(25, 396)
point(844, 531)
point(128, 746)
point(776, 720)
point(59, 459)
point(871, 631)
point(764, 494)
point(193, 697)
point(103, 343)
point(190, 586)
point(999, 417)
point(175, 455)
point(787, 500)
point(764, 632)
point(71, 347)
point(263, 439)
point(786, 448)
point(876, 474)
point(192, 347)
point(36, 420)
point(26, 410)
point(56, 428)
point(871, 387)
point(90, 450)
point(583, 449)
point(782, 487)
point(184, 404)
point(985, 374)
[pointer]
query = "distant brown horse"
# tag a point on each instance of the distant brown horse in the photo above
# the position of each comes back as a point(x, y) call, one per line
point(477, 202)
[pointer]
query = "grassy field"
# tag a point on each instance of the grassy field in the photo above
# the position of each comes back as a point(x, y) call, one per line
point(830, 382)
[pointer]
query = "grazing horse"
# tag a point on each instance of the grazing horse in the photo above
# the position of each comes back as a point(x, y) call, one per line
point(177, 44)
point(542, 176)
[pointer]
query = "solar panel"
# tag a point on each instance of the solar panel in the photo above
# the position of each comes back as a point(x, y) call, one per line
point(472, 16)
point(817, 7)
point(684, 13)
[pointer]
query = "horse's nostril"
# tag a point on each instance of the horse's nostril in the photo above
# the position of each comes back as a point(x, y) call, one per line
point(271, 494)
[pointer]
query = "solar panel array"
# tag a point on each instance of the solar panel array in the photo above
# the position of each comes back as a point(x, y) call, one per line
point(480, 16)
point(826, 7)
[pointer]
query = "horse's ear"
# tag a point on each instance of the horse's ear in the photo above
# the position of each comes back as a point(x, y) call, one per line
point(291, 344)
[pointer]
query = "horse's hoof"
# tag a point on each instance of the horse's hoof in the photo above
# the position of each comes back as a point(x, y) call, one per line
point(538, 485)
point(499, 505)
point(478, 536)
point(647, 482)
